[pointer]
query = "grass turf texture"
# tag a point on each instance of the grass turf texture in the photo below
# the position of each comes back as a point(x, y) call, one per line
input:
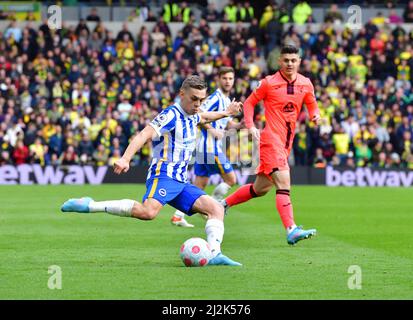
point(108, 257)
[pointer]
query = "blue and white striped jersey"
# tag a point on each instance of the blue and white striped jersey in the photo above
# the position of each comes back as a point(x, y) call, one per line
point(215, 102)
point(172, 151)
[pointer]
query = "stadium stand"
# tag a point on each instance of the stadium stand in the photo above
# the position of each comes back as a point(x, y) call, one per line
point(77, 95)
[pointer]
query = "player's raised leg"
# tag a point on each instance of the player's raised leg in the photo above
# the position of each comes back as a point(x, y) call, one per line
point(246, 192)
point(123, 208)
point(285, 208)
point(214, 228)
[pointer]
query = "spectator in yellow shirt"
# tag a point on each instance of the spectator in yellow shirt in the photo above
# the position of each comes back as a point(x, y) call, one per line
point(37, 152)
point(341, 141)
point(109, 122)
point(302, 12)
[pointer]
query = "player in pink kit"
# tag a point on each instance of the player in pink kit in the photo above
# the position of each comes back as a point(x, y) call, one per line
point(283, 94)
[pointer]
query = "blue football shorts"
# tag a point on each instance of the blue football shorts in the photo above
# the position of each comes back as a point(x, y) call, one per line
point(216, 164)
point(179, 195)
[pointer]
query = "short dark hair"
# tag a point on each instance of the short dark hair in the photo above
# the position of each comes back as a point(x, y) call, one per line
point(289, 49)
point(225, 70)
point(194, 82)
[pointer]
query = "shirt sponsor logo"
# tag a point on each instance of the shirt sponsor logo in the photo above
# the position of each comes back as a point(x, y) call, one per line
point(289, 107)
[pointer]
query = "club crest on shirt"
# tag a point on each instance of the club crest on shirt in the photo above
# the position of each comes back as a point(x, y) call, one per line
point(289, 107)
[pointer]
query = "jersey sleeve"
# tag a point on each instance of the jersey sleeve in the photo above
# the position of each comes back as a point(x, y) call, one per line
point(257, 95)
point(311, 102)
point(211, 104)
point(164, 122)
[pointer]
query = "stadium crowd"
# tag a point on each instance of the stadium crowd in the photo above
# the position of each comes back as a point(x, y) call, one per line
point(77, 95)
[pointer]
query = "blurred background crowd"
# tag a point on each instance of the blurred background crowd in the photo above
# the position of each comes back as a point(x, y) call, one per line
point(78, 94)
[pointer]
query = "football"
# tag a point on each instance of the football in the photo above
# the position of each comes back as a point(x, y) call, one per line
point(195, 252)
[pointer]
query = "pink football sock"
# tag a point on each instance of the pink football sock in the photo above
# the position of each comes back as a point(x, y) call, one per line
point(243, 194)
point(284, 207)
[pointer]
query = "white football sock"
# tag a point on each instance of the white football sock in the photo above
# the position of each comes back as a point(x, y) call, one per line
point(122, 208)
point(220, 190)
point(179, 214)
point(214, 230)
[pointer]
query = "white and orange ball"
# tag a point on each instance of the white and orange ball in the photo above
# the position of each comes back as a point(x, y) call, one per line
point(195, 252)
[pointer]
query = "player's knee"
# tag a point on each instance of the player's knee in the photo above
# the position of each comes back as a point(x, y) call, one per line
point(261, 191)
point(201, 183)
point(150, 214)
point(283, 184)
point(144, 213)
point(209, 207)
point(215, 211)
point(230, 180)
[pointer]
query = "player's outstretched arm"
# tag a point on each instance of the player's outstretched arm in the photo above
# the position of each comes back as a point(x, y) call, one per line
point(257, 95)
point(122, 165)
point(233, 109)
point(235, 125)
point(249, 106)
point(216, 133)
point(312, 105)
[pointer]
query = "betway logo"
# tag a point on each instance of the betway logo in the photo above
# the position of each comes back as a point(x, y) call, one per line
point(35, 174)
point(365, 177)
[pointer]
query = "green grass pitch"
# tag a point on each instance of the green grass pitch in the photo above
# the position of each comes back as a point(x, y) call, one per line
point(107, 257)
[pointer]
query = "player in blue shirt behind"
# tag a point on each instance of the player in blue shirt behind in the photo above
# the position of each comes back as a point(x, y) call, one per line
point(173, 132)
point(210, 154)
